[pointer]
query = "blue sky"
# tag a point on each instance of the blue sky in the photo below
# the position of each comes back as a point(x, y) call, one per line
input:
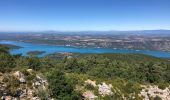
point(83, 15)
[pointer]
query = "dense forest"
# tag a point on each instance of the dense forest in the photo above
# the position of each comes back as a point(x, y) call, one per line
point(125, 72)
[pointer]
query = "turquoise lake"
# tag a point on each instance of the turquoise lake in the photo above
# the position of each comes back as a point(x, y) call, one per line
point(49, 49)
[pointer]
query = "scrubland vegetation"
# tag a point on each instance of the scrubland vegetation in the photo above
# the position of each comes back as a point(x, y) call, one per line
point(66, 77)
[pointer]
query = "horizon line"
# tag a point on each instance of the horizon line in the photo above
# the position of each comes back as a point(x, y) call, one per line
point(84, 30)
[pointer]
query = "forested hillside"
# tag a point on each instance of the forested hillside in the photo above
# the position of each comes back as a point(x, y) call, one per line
point(88, 76)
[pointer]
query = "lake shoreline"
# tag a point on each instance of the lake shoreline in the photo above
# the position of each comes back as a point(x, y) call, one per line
point(50, 49)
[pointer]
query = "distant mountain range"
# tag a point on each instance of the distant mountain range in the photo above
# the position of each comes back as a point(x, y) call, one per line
point(137, 32)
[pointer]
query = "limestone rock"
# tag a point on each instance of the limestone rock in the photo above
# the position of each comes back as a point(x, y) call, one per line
point(36, 98)
point(154, 91)
point(40, 83)
point(89, 95)
point(30, 71)
point(19, 76)
point(24, 91)
point(93, 83)
point(105, 89)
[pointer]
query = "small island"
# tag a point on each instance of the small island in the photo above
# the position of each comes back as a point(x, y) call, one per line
point(35, 53)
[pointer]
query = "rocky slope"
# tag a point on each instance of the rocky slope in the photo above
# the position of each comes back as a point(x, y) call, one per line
point(26, 85)
point(150, 92)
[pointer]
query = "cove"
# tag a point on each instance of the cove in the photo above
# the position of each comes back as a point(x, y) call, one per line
point(49, 49)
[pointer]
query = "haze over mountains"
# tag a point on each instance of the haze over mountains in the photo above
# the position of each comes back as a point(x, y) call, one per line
point(148, 32)
point(109, 32)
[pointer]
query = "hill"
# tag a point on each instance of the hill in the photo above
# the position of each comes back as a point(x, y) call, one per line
point(89, 76)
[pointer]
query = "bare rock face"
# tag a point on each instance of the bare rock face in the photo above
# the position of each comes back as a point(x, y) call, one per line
point(23, 90)
point(9, 98)
point(30, 71)
point(36, 98)
point(19, 76)
point(153, 91)
point(105, 89)
point(89, 95)
point(40, 83)
point(93, 83)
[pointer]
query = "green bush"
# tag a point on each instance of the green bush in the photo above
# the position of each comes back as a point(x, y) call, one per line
point(89, 86)
point(162, 86)
point(157, 98)
point(61, 87)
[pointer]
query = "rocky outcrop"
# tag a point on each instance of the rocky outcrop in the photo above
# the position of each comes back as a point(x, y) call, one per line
point(153, 91)
point(89, 95)
point(40, 83)
point(30, 71)
point(92, 83)
point(26, 85)
point(147, 92)
point(19, 76)
point(105, 89)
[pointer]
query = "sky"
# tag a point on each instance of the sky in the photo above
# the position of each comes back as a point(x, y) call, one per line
point(84, 15)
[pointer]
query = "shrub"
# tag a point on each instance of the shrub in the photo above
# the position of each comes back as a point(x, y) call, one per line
point(157, 98)
point(162, 86)
point(89, 86)
point(61, 87)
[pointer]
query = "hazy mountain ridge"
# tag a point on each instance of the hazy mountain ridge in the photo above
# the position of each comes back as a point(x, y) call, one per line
point(137, 32)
